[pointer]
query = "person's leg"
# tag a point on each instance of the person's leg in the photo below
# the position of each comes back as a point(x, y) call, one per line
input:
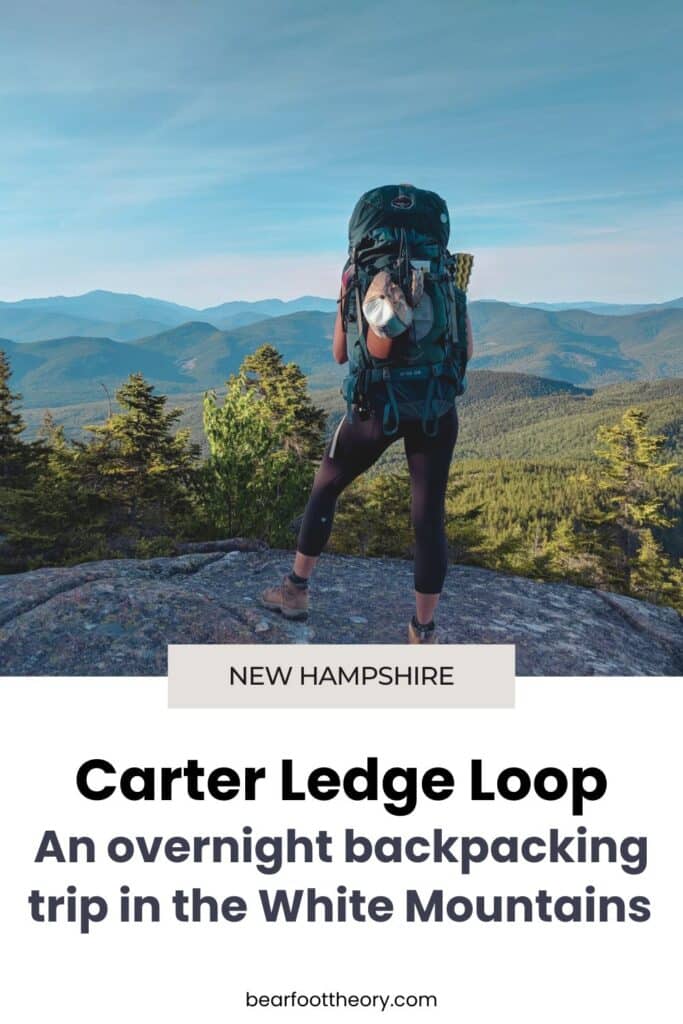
point(354, 448)
point(429, 460)
point(304, 565)
point(425, 606)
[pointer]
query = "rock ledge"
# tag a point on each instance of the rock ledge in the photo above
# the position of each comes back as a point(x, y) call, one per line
point(117, 617)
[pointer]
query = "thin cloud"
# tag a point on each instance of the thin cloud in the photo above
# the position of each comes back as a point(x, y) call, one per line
point(172, 143)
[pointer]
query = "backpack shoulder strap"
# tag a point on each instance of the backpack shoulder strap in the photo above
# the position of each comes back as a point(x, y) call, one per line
point(359, 304)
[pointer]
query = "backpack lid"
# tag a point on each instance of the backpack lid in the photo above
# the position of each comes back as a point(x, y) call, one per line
point(400, 206)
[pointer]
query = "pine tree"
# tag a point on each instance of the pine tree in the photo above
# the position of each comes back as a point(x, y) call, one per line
point(568, 558)
point(653, 577)
point(629, 495)
point(20, 465)
point(53, 522)
point(264, 442)
point(16, 456)
point(464, 530)
point(141, 468)
point(240, 436)
point(125, 490)
point(284, 389)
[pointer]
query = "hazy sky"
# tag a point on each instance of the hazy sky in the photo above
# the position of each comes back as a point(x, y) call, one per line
point(202, 151)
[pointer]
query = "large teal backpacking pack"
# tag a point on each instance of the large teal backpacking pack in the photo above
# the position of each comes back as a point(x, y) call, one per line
point(404, 230)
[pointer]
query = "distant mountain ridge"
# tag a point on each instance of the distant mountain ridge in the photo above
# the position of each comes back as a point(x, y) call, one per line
point(192, 356)
point(126, 317)
point(607, 308)
point(123, 317)
point(273, 307)
point(105, 305)
point(578, 347)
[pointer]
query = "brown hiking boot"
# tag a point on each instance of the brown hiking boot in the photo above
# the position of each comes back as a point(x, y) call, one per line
point(419, 636)
point(287, 598)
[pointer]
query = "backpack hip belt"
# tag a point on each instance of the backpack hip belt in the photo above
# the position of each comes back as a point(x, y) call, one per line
point(357, 388)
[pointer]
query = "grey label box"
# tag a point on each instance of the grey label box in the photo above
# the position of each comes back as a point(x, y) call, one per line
point(341, 676)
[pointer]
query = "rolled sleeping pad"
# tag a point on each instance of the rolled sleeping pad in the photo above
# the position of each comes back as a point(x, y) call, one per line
point(463, 269)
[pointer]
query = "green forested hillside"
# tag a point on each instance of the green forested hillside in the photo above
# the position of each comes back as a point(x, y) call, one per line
point(501, 514)
point(27, 325)
point(578, 346)
point(514, 416)
point(207, 356)
point(527, 498)
point(506, 416)
point(72, 370)
point(563, 424)
point(193, 356)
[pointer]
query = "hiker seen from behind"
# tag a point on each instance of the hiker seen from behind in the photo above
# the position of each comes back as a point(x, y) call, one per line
point(403, 327)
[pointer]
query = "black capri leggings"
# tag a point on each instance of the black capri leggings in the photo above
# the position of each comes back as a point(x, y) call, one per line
point(353, 449)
